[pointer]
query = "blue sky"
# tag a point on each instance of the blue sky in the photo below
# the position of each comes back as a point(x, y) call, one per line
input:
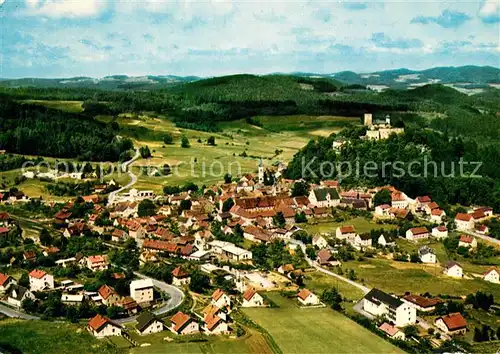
point(66, 38)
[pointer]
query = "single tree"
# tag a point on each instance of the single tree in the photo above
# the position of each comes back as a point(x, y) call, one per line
point(382, 197)
point(45, 237)
point(185, 142)
point(199, 282)
point(146, 208)
point(300, 188)
point(168, 139)
point(211, 141)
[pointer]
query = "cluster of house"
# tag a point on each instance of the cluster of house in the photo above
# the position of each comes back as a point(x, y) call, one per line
point(401, 312)
point(141, 290)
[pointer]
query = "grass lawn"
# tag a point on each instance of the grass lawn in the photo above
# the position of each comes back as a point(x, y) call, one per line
point(399, 277)
point(362, 225)
point(251, 342)
point(48, 337)
point(317, 282)
point(319, 330)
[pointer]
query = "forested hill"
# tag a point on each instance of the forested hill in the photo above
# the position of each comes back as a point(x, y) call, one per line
point(34, 130)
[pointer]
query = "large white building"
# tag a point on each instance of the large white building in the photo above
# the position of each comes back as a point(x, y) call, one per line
point(378, 303)
point(230, 250)
point(324, 197)
point(141, 290)
point(40, 280)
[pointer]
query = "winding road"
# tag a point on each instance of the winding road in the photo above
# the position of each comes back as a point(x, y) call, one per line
point(10, 312)
point(133, 178)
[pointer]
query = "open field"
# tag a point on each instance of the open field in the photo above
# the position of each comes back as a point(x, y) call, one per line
point(319, 330)
point(399, 277)
point(46, 337)
point(328, 226)
point(166, 341)
point(206, 164)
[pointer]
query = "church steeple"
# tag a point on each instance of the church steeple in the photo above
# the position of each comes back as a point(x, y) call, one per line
point(261, 171)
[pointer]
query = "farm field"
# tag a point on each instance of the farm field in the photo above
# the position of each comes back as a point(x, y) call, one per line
point(278, 139)
point(319, 330)
point(43, 337)
point(328, 226)
point(399, 277)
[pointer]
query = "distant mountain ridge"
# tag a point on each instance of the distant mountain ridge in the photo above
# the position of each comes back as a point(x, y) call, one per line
point(464, 76)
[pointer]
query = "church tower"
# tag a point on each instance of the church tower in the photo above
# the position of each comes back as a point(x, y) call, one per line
point(261, 172)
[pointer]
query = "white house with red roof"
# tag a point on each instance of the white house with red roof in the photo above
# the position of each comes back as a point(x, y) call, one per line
point(347, 232)
point(5, 281)
point(382, 210)
point(108, 294)
point(183, 324)
point(97, 263)
point(464, 222)
point(142, 290)
point(440, 232)
point(40, 280)
point(417, 233)
point(399, 200)
point(423, 201)
point(101, 326)
point(392, 331)
point(452, 324)
point(467, 241)
point(221, 299)
point(307, 298)
point(437, 215)
point(252, 298)
point(492, 275)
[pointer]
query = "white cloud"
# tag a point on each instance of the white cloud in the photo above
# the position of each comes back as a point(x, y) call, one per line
point(490, 7)
point(64, 8)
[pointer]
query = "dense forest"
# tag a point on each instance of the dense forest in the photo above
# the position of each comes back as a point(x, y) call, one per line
point(411, 150)
point(34, 130)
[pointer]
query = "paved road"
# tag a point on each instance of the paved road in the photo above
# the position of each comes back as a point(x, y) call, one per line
point(363, 288)
point(133, 178)
point(484, 237)
point(16, 314)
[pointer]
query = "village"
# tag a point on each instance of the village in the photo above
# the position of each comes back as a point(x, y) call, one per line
point(185, 261)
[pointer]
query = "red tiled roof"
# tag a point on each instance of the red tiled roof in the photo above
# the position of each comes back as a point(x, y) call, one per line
point(397, 197)
point(212, 321)
point(433, 205)
point(463, 217)
point(37, 273)
point(466, 238)
point(99, 321)
point(179, 320)
point(4, 216)
point(419, 230)
point(3, 278)
point(454, 321)
point(106, 291)
point(159, 245)
point(249, 293)
point(478, 214)
point(442, 228)
point(63, 215)
point(179, 273)
point(485, 273)
point(304, 293)
point(422, 301)
point(424, 199)
point(387, 328)
point(217, 294)
point(4, 230)
point(347, 229)
point(437, 212)
point(96, 259)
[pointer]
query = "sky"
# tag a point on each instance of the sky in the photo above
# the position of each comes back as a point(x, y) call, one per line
point(68, 38)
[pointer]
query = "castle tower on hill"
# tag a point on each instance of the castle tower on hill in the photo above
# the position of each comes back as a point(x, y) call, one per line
point(368, 119)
